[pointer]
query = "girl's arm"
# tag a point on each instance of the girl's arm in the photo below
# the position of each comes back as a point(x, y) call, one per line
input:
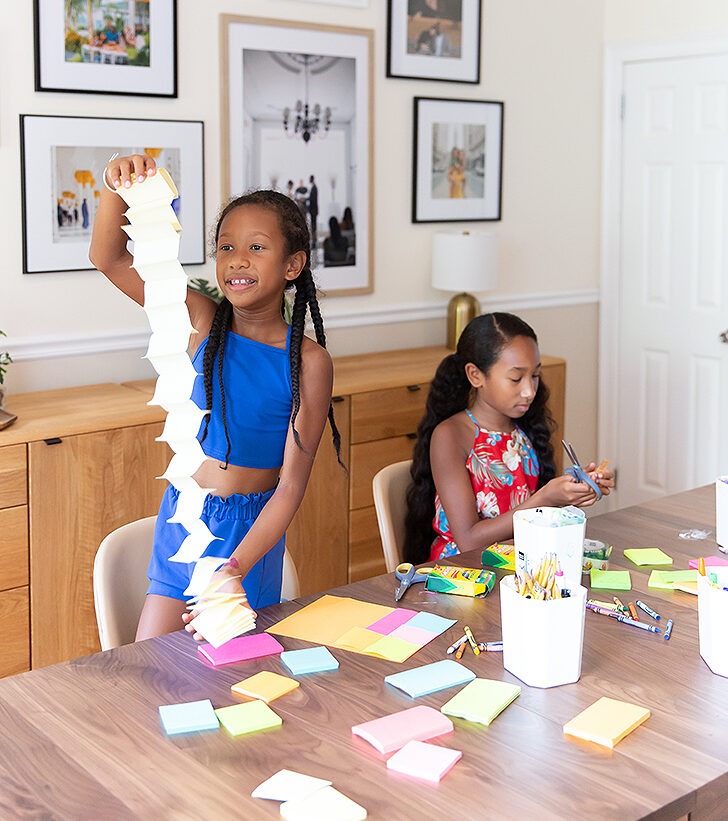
point(452, 480)
point(108, 252)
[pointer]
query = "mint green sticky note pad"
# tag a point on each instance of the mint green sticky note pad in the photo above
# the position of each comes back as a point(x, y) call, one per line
point(610, 580)
point(648, 555)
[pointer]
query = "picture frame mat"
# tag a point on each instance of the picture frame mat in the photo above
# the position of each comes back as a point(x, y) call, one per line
point(43, 256)
point(284, 35)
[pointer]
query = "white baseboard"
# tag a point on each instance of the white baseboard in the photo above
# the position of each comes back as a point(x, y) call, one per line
point(54, 346)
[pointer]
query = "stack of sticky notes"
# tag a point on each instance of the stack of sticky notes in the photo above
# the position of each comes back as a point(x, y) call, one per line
point(674, 580)
point(242, 648)
point(391, 732)
point(610, 579)
point(482, 700)
point(248, 717)
point(221, 616)
point(431, 678)
point(648, 555)
point(265, 686)
point(709, 561)
point(607, 721)
point(309, 660)
point(189, 717)
point(422, 760)
point(308, 799)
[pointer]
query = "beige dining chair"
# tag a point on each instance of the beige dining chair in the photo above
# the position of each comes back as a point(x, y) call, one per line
point(120, 581)
point(390, 501)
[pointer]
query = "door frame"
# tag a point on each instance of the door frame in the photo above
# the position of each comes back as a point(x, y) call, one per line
point(616, 57)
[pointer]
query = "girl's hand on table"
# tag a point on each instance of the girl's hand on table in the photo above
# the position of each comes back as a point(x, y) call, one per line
point(231, 585)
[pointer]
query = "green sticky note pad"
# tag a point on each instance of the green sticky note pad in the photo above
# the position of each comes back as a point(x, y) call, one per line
point(610, 580)
point(481, 700)
point(647, 555)
point(666, 579)
point(248, 717)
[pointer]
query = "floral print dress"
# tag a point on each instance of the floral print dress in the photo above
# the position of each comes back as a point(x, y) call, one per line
point(503, 470)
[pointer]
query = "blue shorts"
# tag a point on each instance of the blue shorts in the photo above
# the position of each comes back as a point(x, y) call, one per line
point(229, 519)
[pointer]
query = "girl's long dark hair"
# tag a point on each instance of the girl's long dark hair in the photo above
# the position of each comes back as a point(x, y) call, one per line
point(297, 238)
point(480, 343)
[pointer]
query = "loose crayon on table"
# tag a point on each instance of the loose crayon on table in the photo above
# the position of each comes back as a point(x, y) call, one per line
point(605, 604)
point(453, 647)
point(639, 624)
point(648, 610)
point(602, 611)
point(471, 641)
point(620, 605)
point(461, 650)
point(632, 611)
point(491, 646)
point(668, 630)
point(701, 566)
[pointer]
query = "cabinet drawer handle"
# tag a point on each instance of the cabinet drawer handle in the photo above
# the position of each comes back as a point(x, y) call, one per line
point(411, 435)
point(337, 398)
point(54, 441)
point(413, 388)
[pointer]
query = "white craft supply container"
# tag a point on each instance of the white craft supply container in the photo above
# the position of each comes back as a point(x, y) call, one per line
point(542, 640)
point(533, 538)
point(712, 622)
point(721, 512)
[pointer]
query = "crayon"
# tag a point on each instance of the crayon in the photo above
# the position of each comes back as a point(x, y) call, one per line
point(603, 466)
point(619, 604)
point(453, 647)
point(648, 610)
point(472, 642)
point(701, 566)
point(632, 611)
point(639, 624)
point(461, 650)
point(668, 630)
point(491, 646)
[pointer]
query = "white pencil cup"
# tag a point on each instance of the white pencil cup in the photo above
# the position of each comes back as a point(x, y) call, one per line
point(721, 512)
point(533, 538)
point(712, 620)
point(542, 640)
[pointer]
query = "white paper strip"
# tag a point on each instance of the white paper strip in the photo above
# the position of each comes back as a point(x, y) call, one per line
point(183, 422)
point(195, 544)
point(168, 291)
point(202, 573)
point(150, 272)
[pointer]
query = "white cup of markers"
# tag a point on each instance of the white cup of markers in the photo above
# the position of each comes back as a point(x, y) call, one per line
point(632, 614)
point(713, 616)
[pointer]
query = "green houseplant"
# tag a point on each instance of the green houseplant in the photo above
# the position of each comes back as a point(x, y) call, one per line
point(5, 359)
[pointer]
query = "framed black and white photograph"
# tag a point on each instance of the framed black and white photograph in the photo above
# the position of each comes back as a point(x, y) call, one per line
point(434, 40)
point(106, 46)
point(458, 160)
point(62, 164)
point(297, 117)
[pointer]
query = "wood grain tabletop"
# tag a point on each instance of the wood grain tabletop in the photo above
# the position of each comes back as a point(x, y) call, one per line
point(82, 739)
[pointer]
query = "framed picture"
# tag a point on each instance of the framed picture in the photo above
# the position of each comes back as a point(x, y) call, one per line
point(298, 117)
point(434, 40)
point(106, 46)
point(358, 3)
point(458, 160)
point(62, 164)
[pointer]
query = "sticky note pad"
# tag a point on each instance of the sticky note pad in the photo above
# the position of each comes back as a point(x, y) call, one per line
point(188, 717)
point(430, 678)
point(327, 804)
point(392, 648)
point(482, 700)
point(710, 561)
point(265, 686)
point(607, 721)
point(429, 621)
point(240, 649)
point(391, 732)
point(423, 760)
point(667, 579)
point(392, 621)
point(647, 555)
point(309, 660)
point(610, 579)
point(287, 785)
point(248, 717)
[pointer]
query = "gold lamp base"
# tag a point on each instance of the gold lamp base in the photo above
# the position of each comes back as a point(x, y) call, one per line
point(460, 310)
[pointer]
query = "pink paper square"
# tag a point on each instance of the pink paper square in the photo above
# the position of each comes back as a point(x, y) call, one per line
point(242, 648)
point(392, 621)
point(414, 635)
point(710, 561)
point(423, 760)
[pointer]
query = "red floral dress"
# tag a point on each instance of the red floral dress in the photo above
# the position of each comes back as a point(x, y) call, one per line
point(503, 470)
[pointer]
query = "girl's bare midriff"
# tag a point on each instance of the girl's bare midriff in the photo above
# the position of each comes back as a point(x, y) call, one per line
point(235, 479)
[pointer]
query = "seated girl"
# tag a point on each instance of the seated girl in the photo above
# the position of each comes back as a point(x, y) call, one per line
point(483, 447)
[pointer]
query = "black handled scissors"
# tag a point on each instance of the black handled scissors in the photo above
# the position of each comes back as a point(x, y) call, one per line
point(578, 472)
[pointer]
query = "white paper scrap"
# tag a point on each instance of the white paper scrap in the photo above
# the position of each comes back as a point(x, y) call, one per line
point(326, 804)
point(287, 785)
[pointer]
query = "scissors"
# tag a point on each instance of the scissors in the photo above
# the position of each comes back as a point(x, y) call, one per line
point(578, 472)
point(407, 575)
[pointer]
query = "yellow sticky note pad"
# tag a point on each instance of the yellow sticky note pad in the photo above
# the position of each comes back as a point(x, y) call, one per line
point(265, 686)
point(610, 579)
point(392, 648)
point(648, 555)
point(607, 721)
point(248, 717)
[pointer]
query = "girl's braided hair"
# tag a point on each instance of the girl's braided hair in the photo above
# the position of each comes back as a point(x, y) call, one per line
point(297, 238)
point(480, 343)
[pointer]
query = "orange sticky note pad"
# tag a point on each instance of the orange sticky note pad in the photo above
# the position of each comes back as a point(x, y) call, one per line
point(265, 686)
point(607, 721)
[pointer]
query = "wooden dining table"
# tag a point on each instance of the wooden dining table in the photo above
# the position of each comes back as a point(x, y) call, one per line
point(83, 739)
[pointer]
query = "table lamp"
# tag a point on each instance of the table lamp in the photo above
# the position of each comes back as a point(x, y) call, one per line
point(464, 262)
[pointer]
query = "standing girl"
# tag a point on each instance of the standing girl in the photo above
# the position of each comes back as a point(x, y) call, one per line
point(473, 464)
point(268, 388)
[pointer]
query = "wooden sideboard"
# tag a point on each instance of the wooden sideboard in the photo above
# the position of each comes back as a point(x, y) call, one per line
point(81, 462)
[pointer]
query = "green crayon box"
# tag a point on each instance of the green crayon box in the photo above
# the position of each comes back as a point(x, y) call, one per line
point(460, 581)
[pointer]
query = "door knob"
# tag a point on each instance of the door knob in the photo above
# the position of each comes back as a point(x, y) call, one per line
point(724, 336)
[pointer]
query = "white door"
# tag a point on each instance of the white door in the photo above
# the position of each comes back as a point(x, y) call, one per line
point(673, 305)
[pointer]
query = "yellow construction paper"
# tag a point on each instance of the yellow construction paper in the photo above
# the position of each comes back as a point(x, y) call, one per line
point(265, 686)
point(358, 639)
point(669, 579)
point(607, 721)
point(248, 717)
point(392, 648)
point(647, 555)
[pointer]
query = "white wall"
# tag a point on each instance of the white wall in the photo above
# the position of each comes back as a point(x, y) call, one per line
point(542, 59)
point(656, 19)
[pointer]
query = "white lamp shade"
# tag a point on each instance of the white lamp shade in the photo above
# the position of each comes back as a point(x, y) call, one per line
point(465, 262)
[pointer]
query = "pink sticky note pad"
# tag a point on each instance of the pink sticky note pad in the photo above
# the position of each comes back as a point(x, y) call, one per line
point(710, 561)
point(391, 732)
point(392, 621)
point(414, 635)
point(242, 648)
point(423, 760)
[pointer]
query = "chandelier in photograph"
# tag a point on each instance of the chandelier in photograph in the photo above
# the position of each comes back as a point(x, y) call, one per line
point(306, 120)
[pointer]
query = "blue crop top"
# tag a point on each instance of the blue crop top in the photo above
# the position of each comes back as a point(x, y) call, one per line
point(258, 402)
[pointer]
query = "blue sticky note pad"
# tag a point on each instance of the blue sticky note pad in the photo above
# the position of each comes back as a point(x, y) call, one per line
point(310, 660)
point(188, 717)
point(430, 678)
point(431, 622)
